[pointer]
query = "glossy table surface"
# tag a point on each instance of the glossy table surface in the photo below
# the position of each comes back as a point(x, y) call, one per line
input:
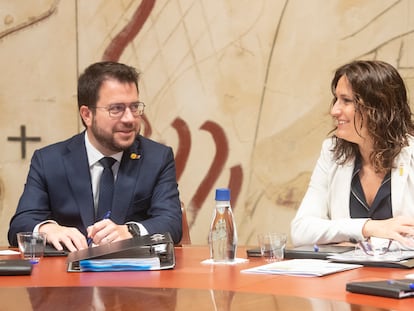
point(192, 284)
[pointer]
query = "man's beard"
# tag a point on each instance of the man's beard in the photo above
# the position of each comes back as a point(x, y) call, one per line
point(107, 140)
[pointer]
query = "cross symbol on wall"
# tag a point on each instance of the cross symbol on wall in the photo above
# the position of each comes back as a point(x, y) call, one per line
point(23, 139)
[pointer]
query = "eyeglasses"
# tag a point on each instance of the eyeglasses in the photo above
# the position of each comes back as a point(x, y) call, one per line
point(371, 249)
point(118, 110)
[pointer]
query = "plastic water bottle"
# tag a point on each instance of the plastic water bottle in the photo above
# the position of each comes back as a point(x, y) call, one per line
point(223, 234)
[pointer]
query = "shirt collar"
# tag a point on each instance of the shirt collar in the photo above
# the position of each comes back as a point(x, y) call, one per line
point(94, 155)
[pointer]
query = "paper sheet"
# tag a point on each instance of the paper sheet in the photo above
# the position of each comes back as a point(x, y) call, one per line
point(302, 267)
point(359, 256)
point(120, 264)
point(234, 262)
point(6, 252)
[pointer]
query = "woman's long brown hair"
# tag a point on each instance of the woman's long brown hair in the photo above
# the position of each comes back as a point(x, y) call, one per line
point(381, 100)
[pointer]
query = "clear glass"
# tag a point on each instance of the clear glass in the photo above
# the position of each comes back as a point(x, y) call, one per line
point(31, 245)
point(223, 234)
point(272, 245)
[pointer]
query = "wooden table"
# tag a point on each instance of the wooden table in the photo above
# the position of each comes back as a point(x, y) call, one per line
point(193, 282)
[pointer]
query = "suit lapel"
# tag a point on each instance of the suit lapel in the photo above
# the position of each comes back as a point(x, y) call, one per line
point(77, 169)
point(126, 182)
point(399, 176)
point(342, 181)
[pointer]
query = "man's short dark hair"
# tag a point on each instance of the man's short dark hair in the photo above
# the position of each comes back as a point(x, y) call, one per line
point(90, 81)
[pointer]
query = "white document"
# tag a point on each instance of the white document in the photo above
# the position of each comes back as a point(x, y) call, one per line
point(120, 264)
point(8, 252)
point(302, 267)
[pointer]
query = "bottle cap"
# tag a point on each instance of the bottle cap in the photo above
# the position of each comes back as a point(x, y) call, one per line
point(222, 194)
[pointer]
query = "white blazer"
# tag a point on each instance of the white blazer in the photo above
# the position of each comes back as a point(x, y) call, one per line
point(324, 217)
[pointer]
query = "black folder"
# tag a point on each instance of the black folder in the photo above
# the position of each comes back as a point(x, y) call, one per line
point(145, 248)
point(307, 251)
point(386, 288)
point(51, 251)
point(315, 252)
point(15, 267)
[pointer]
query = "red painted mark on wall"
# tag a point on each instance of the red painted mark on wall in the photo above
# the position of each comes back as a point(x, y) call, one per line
point(112, 53)
point(235, 183)
point(118, 44)
point(184, 145)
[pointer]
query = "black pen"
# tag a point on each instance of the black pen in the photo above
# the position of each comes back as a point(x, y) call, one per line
point(106, 216)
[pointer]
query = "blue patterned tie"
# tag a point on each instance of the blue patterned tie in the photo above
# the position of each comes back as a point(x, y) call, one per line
point(106, 188)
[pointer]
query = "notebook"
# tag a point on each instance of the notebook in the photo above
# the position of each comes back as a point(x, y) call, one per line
point(315, 251)
point(401, 288)
point(149, 252)
point(15, 267)
point(51, 251)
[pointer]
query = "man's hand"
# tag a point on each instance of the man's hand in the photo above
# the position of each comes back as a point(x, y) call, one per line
point(106, 231)
point(60, 236)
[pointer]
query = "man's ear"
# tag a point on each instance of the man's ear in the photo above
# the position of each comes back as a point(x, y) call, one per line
point(86, 115)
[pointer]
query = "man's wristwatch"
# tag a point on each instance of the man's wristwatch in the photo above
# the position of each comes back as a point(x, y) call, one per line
point(134, 229)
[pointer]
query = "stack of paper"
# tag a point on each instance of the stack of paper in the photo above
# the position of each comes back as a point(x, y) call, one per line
point(120, 264)
point(358, 256)
point(302, 267)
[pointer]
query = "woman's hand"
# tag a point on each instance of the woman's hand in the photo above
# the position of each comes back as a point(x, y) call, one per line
point(400, 229)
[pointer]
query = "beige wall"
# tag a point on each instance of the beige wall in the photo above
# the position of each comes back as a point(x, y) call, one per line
point(247, 79)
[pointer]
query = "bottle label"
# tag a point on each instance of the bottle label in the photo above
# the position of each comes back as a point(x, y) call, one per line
point(223, 236)
point(219, 230)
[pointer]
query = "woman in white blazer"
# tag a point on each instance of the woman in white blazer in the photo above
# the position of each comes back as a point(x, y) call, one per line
point(363, 182)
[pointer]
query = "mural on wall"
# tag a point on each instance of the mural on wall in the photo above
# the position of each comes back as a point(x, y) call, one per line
point(240, 90)
point(113, 53)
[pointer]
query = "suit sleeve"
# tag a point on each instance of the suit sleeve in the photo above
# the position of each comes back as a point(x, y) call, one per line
point(313, 223)
point(33, 206)
point(165, 208)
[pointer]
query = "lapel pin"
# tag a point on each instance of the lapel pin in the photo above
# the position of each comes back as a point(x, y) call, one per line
point(135, 156)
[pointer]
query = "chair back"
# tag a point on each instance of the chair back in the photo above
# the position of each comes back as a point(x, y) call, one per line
point(185, 238)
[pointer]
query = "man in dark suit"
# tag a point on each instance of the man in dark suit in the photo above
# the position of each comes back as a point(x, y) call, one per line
point(61, 193)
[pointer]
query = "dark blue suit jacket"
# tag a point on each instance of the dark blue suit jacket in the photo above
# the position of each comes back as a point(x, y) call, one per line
point(58, 188)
